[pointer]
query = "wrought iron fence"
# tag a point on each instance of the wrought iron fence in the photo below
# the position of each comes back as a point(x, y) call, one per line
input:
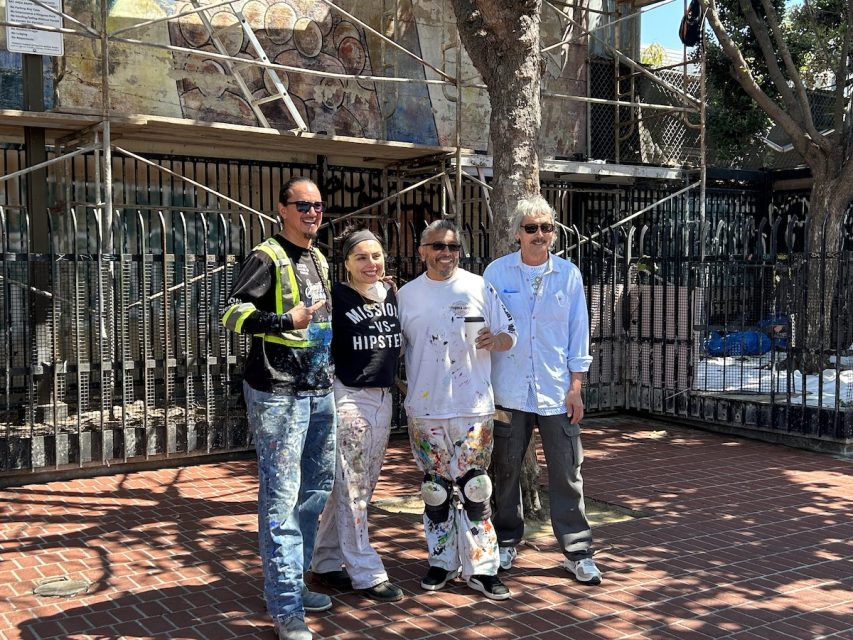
point(112, 350)
point(775, 346)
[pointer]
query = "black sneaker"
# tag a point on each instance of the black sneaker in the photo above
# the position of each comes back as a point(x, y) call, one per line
point(384, 592)
point(437, 577)
point(489, 586)
point(338, 580)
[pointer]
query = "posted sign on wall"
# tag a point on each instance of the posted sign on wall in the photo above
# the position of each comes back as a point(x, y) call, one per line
point(20, 40)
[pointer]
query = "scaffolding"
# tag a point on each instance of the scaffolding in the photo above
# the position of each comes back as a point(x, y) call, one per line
point(629, 110)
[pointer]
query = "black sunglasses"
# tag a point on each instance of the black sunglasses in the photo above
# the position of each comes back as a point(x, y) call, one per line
point(303, 206)
point(544, 227)
point(441, 246)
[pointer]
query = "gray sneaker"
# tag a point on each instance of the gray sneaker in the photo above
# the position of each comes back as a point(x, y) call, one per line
point(313, 601)
point(584, 570)
point(507, 555)
point(293, 629)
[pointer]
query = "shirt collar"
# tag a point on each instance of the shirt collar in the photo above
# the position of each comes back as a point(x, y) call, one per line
point(553, 265)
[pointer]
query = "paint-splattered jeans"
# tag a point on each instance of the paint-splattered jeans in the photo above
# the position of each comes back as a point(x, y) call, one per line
point(364, 421)
point(450, 447)
point(295, 443)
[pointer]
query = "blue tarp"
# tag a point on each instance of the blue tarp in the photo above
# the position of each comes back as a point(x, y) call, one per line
point(737, 343)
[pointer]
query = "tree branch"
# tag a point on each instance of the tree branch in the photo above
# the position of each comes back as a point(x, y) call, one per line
point(743, 75)
point(841, 72)
point(762, 36)
point(794, 75)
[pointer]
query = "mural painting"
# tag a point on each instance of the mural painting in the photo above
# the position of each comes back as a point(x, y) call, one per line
point(308, 34)
point(297, 33)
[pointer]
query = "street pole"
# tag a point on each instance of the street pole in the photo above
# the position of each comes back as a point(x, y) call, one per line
point(49, 407)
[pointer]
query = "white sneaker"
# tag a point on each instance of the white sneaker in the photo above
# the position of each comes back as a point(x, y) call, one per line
point(507, 555)
point(584, 570)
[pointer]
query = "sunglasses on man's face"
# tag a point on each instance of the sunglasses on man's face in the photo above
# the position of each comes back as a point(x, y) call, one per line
point(441, 246)
point(544, 227)
point(303, 206)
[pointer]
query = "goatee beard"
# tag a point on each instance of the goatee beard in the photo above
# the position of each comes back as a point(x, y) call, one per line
point(309, 236)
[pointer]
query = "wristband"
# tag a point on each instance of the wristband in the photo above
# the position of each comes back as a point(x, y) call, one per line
point(285, 322)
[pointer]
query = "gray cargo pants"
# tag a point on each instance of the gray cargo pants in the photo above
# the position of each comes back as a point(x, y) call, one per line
point(564, 455)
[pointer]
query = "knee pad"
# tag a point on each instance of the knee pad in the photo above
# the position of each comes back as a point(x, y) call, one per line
point(476, 488)
point(437, 493)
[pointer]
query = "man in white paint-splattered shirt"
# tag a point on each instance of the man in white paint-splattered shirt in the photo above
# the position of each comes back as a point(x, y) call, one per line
point(450, 408)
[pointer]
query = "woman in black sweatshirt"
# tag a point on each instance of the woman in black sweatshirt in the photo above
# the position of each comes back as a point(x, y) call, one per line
point(366, 341)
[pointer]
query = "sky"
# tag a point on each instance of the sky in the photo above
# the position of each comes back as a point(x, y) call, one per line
point(660, 24)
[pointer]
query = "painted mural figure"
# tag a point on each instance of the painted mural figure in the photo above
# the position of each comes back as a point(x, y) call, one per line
point(452, 319)
point(281, 298)
point(366, 348)
point(539, 383)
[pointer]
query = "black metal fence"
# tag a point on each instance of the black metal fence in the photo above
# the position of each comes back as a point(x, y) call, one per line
point(112, 350)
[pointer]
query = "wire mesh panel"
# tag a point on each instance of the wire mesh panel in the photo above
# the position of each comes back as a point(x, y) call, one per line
point(653, 122)
point(778, 321)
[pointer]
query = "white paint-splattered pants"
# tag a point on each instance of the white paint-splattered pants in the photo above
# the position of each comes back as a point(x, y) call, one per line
point(450, 448)
point(364, 421)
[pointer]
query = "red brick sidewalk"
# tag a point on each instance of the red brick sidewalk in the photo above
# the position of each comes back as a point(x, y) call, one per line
point(742, 540)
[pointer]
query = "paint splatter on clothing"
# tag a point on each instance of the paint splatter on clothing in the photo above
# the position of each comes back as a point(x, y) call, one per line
point(446, 374)
point(295, 444)
point(273, 367)
point(364, 422)
point(450, 448)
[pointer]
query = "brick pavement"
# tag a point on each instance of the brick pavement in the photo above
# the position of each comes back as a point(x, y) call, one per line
point(740, 539)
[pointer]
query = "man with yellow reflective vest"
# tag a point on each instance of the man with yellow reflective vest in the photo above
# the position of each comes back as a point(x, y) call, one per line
point(281, 298)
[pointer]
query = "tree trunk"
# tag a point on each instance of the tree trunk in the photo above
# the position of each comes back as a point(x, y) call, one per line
point(502, 40)
point(827, 206)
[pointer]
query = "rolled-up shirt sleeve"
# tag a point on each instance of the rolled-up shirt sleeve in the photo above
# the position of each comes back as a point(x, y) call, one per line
point(577, 350)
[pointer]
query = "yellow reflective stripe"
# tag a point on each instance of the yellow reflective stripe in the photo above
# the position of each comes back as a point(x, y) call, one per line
point(294, 288)
point(236, 314)
point(278, 261)
point(227, 314)
point(288, 343)
point(238, 326)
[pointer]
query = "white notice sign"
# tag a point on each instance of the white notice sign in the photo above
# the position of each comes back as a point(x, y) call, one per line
point(21, 40)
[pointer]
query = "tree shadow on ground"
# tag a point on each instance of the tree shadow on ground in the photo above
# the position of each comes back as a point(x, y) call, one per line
point(170, 552)
point(743, 540)
point(742, 537)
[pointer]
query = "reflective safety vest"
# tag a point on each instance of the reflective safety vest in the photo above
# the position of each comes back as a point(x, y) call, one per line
point(285, 287)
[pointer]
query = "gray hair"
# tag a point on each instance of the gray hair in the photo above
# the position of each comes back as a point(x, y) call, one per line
point(442, 224)
point(531, 206)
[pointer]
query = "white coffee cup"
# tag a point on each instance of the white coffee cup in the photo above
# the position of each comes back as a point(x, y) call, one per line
point(473, 324)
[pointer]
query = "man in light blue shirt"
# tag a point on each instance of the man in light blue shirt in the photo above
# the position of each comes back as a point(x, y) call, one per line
point(539, 384)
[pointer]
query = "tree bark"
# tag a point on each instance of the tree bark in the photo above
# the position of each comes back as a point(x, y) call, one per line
point(502, 40)
point(828, 204)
